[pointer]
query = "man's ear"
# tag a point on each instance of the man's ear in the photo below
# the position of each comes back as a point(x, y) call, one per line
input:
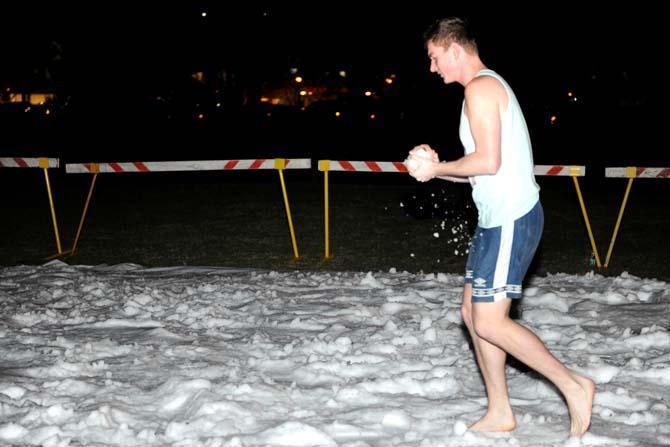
point(456, 50)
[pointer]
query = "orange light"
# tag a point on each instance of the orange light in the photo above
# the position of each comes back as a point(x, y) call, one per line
point(389, 81)
point(553, 119)
point(368, 93)
point(298, 79)
point(337, 114)
point(265, 99)
point(303, 92)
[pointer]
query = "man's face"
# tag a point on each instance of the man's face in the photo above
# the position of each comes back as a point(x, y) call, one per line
point(441, 61)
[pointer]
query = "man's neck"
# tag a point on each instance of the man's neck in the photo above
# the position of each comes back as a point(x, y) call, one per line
point(470, 69)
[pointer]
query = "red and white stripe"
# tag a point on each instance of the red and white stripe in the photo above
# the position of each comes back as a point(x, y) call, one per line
point(635, 172)
point(201, 165)
point(22, 162)
point(559, 170)
point(398, 166)
point(365, 166)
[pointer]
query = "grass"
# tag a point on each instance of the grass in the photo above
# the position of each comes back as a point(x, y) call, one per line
point(238, 220)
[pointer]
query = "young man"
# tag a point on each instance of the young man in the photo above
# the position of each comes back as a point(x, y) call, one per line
point(498, 163)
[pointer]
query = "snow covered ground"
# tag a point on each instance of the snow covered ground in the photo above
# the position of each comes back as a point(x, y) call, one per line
point(129, 356)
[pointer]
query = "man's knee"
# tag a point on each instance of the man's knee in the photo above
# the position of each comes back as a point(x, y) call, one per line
point(485, 326)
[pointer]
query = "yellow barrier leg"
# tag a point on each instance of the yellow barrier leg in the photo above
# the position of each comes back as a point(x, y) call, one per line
point(280, 168)
point(326, 215)
point(586, 220)
point(53, 211)
point(618, 221)
point(83, 214)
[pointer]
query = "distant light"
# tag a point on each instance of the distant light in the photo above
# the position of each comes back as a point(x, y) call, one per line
point(293, 70)
point(368, 93)
point(389, 80)
point(337, 114)
point(265, 99)
point(298, 79)
point(201, 116)
point(203, 14)
point(303, 92)
point(310, 93)
point(47, 112)
point(373, 116)
point(343, 73)
point(218, 104)
point(275, 101)
point(553, 119)
point(27, 109)
point(570, 94)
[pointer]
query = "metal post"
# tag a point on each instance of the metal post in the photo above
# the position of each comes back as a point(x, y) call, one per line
point(586, 220)
point(83, 215)
point(618, 222)
point(280, 163)
point(53, 211)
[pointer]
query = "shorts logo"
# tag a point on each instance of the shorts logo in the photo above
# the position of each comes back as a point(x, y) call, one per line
point(480, 282)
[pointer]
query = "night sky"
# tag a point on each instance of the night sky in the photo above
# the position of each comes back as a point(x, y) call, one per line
point(111, 40)
point(142, 49)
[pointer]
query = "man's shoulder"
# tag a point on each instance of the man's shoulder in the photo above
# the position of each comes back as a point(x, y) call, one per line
point(484, 84)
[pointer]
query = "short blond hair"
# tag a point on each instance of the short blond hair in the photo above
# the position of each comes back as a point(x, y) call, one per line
point(451, 29)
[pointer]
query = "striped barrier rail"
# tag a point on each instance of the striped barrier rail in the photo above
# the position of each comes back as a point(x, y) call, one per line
point(362, 166)
point(560, 170)
point(631, 173)
point(22, 162)
point(279, 164)
point(175, 166)
point(45, 164)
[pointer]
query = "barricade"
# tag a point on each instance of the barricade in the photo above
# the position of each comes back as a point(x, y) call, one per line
point(45, 164)
point(203, 165)
point(575, 172)
point(631, 173)
point(399, 167)
point(350, 166)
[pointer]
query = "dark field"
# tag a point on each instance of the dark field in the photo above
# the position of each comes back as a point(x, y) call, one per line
point(237, 219)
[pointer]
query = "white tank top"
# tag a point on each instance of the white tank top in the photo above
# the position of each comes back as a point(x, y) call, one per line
point(511, 192)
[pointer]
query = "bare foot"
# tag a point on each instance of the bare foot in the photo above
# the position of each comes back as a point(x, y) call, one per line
point(580, 403)
point(501, 421)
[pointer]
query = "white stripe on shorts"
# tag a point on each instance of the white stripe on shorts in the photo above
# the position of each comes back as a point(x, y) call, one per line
point(503, 261)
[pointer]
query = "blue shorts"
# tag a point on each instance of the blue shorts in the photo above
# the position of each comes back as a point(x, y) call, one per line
point(500, 256)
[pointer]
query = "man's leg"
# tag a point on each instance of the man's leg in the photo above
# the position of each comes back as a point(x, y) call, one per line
point(491, 361)
point(491, 322)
